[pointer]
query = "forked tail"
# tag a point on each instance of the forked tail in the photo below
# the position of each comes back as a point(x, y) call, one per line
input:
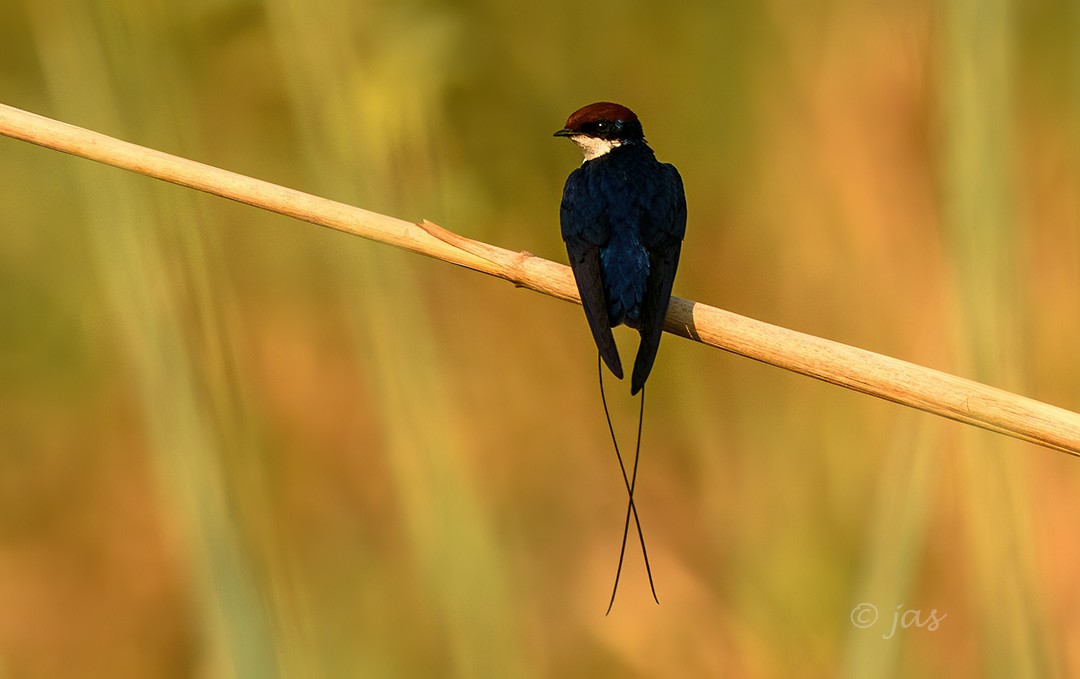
point(630, 483)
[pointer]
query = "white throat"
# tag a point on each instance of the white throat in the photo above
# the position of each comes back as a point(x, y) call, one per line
point(594, 147)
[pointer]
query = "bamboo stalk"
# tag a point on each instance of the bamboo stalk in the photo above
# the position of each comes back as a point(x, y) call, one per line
point(888, 378)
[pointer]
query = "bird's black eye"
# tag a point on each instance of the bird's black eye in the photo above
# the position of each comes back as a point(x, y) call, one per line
point(600, 128)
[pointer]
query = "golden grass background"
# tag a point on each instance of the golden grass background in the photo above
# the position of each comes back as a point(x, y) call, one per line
point(235, 445)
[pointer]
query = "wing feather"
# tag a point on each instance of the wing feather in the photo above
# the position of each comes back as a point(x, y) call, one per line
point(585, 229)
point(662, 233)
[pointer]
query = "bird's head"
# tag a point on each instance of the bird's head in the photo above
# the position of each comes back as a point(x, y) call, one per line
point(600, 127)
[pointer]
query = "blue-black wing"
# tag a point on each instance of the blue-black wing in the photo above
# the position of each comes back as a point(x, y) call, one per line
point(663, 226)
point(585, 229)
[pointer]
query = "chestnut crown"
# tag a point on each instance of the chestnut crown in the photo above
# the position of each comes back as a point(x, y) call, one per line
point(603, 120)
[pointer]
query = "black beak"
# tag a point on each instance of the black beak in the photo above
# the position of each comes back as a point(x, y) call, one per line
point(564, 132)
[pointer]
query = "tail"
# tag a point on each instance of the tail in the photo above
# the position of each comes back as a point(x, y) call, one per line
point(646, 355)
point(605, 342)
point(630, 483)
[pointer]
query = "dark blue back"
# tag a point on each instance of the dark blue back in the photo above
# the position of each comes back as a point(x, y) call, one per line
point(623, 220)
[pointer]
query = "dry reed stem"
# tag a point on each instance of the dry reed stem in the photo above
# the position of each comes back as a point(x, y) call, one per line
point(891, 379)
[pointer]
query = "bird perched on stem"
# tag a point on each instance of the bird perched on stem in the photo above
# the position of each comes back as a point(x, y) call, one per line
point(623, 218)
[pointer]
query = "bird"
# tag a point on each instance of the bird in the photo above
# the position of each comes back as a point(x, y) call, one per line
point(623, 219)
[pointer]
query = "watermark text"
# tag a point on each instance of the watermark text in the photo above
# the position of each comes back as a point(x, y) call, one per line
point(865, 616)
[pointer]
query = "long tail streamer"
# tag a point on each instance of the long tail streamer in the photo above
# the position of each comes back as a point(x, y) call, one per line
point(630, 482)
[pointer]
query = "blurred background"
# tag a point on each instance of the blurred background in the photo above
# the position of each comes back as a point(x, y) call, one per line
point(235, 445)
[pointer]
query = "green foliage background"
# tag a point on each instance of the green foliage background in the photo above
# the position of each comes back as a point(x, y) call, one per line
point(232, 445)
